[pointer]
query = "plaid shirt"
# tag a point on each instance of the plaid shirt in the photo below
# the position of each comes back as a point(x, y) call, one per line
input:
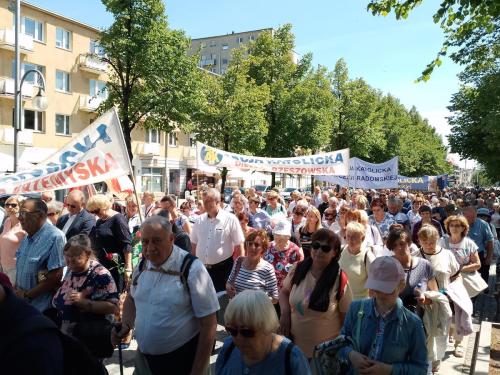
point(42, 251)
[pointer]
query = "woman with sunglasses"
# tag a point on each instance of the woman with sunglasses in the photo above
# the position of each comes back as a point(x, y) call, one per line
point(254, 347)
point(315, 295)
point(111, 240)
point(312, 224)
point(54, 209)
point(11, 237)
point(251, 271)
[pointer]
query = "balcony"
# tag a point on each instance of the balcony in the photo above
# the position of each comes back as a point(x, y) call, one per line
point(90, 103)
point(208, 62)
point(8, 88)
point(151, 149)
point(8, 41)
point(92, 64)
point(25, 137)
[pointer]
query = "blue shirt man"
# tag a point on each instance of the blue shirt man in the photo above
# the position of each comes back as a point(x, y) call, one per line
point(40, 259)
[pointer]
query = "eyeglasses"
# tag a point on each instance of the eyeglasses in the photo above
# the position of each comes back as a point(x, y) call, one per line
point(71, 205)
point(253, 243)
point(52, 214)
point(318, 245)
point(13, 205)
point(245, 332)
point(272, 198)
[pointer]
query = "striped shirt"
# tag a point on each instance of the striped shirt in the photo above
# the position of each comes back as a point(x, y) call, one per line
point(262, 278)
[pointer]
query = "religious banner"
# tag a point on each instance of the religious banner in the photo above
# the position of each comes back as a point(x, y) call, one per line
point(329, 163)
point(97, 154)
point(414, 183)
point(366, 175)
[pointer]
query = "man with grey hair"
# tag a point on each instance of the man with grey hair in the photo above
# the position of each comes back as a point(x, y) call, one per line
point(215, 236)
point(171, 304)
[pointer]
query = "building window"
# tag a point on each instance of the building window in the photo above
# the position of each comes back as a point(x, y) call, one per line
point(152, 179)
point(96, 49)
point(153, 136)
point(63, 38)
point(223, 71)
point(34, 28)
point(225, 46)
point(213, 43)
point(32, 77)
point(62, 81)
point(33, 120)
point(224, 61)
point(192, 141)
point(240, 39)
point(172, 139)
point(98, 89)
point(62, 124)
point(251, 37)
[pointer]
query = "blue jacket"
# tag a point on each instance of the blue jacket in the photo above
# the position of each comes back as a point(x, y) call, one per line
point(404, 338)
point(83, 223)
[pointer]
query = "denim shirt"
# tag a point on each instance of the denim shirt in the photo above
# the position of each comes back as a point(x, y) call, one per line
point(404, 339)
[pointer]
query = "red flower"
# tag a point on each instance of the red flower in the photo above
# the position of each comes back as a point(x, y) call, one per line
point(109, 256)
point(138, 234)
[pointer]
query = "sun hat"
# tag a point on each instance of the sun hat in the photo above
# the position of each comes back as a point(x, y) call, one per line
point(385, 274)
point(283, 228)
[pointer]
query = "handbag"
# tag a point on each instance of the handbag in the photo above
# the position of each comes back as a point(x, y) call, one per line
point(473, 283)
point(94, 331)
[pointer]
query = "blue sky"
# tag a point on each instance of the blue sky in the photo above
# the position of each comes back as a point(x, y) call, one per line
point(388, 54)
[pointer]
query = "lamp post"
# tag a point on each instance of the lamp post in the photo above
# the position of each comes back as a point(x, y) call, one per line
point(39, 102)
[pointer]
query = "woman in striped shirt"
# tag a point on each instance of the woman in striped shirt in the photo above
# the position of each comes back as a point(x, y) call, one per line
point(252, 272)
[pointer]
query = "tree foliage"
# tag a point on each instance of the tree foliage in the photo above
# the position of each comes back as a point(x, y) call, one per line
point(475, 132)
point(471, 27)
point(152, 81)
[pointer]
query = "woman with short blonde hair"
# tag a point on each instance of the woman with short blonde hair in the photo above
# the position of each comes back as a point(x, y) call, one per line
point(252, 323)
point(312, 224)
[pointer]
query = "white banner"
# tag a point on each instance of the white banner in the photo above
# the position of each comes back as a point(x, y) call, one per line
point(97, 154)
point(330, 163)
point(366, 175)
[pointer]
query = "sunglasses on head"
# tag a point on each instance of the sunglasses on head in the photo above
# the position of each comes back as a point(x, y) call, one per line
point(13, 205)
point(324, 248)
point(245, 332)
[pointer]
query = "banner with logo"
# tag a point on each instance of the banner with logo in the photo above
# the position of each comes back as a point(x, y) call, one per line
point(366, 175)
point(330, 163)
point(97, 154)
point(414, 183)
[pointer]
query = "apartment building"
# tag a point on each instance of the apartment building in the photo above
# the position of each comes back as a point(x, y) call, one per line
point(215, 51)
point(66, 52)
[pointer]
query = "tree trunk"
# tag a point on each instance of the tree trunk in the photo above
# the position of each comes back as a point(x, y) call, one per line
point(273, 179)
point(223, 183)
point(312, 183)
point(128, 140)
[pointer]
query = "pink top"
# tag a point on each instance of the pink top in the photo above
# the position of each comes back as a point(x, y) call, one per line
point(10, 239)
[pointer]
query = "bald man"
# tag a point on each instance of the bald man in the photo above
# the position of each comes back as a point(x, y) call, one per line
point(78, 220)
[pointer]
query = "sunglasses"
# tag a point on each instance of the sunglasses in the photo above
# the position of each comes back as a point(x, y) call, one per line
point(13, 205)
point(52, 213)
point(245, 332)
point(324, 248)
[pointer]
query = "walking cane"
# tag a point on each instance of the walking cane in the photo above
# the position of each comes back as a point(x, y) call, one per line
point(120, 358)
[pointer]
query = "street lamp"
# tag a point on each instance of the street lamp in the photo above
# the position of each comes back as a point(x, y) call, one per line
point(39, 103)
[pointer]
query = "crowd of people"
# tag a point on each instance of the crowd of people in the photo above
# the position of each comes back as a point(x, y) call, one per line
point(403, 268)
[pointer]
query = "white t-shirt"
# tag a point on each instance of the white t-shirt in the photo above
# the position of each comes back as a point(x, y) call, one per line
point(444, 265)
point(461, 250)
point(357, 270)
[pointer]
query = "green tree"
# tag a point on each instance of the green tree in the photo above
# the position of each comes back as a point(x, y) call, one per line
point(299, 113)
point(471, 28)
point(152, 81)
point(233, 115)
point(475, 132)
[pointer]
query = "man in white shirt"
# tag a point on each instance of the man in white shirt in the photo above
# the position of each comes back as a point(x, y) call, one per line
point(214, 237)
point(174, 319)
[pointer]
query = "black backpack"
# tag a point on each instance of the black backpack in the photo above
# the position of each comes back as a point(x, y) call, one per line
point(77, 359)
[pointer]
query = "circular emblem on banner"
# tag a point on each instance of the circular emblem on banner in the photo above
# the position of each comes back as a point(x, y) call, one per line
point(210, 156)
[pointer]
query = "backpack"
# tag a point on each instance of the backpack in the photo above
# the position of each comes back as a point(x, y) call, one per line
point(288, 356)
point(325, 357)
point(183, 273)
point(77, 359)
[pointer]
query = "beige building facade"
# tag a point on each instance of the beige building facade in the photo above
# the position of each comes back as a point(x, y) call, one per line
point(66, 52)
